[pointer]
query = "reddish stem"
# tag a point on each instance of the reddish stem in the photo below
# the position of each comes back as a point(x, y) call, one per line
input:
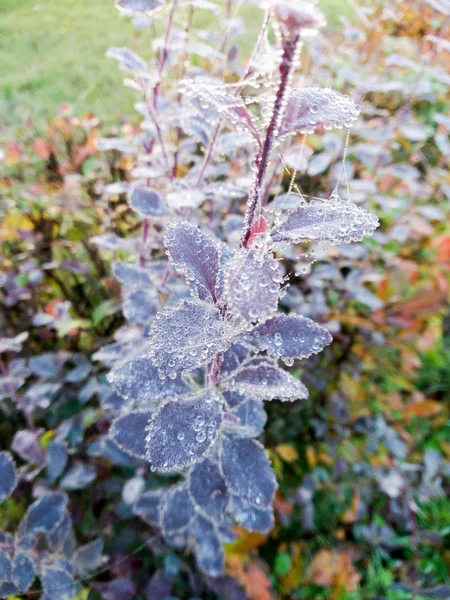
point(262, 159)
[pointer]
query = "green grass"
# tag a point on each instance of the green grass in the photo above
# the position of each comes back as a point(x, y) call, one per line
point(53, 51)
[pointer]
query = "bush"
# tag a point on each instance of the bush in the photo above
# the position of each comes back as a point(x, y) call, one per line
point(145, 409)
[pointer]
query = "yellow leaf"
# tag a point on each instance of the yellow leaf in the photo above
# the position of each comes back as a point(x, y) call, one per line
point(246, 542)
point(287, 452)
point(311, 457)
point(47, 437)
point(11, 224)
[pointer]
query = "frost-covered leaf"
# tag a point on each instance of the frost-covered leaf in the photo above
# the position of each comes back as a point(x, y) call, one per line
point(131, 275)
point(267, 382)
point(88, 557)
point(184, 196)
point(129, 61)
point(233, 399)
point(208, 489)
point(332, 221)
point(5, 566)
point(148, 203)
point(116, 144)
point(56, 459)
point(8, 475)
point(23, 571)
point(45, 365)
point(61, 539)
point(252, 416)
point(250, 517)
point(208, 548)
point(186, 336)
point(247, 470)
point(289, 336)
point(303, 18)
point(135, 7)
point(130, 431)
point(230, 142)
point(120, 588)
point(298, 157)
point(27, 445)
point(252, 284)
point(138, 380)
point(13, 344)
point(140, 306)
point(196, 254)
point(233, 358)
point(57, 583)
point(319, 163)
point(45, 514)
point(182, 431)
point(309, 108)
point(79, 476)
point(221, 102)
point(147, 507)
point(110, 241)
point(177, 510)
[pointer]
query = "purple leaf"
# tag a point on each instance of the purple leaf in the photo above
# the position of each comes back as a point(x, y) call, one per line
point(147, 507)
point(140, 306)
point(333, 221)
point(196, 254)
point(227, 587)
point(186, 337)
point(129, 433)
point(250, 517)
point(208, 549)
point(267, 382)
point(5, 566)
point(23, 571)
point(233, 358)
point(129, 61)
point(27, 445)
point(78, 476)
point(8, 475)
point(131, 275)
point(88, 557)
point(289, 336)
point(211, 94)
point(252, 284)
point(57, 583)
point(148, 203)
point(182, 431)
point(45, 514)
point(117, 589)
point(252, 416)
point(105, 144)
point(309, 108)
point(247, 470)
point(133, 7)
point(159, 586)
point(13, 344)
point(138, 380)
point(176, 510)
point(56, 459)
point(208, 489)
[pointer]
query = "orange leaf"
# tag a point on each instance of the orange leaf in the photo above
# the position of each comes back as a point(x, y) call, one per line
point(334, 570)
point(424, 409)
point(42, 148)
point(252, 577)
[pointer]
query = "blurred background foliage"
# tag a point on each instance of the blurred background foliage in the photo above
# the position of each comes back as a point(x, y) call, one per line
point(380, 394)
